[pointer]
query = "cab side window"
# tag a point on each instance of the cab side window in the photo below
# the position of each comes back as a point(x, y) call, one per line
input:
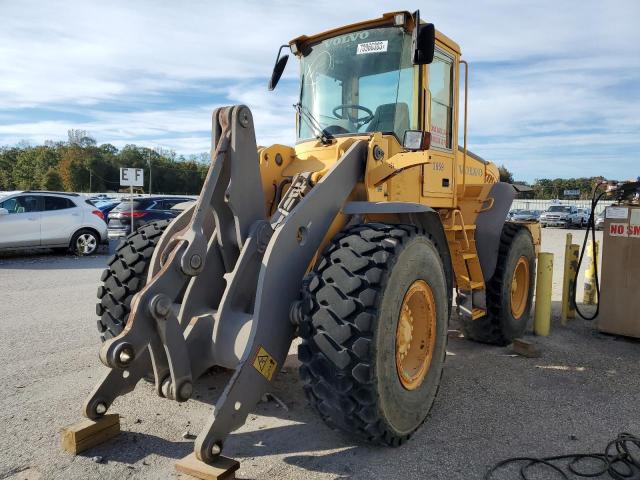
point(441, 88)
point(57, 203)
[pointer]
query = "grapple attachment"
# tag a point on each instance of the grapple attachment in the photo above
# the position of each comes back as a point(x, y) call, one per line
point(221, 282)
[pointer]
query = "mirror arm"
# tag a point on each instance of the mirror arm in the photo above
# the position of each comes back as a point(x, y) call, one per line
point(280, 51)
point(414, 35)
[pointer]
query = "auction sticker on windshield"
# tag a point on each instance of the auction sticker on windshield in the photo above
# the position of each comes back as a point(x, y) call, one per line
point(372, 47)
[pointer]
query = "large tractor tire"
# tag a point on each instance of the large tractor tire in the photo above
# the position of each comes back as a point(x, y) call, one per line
point(125, 276)
point(374, 331)
point(509, 291)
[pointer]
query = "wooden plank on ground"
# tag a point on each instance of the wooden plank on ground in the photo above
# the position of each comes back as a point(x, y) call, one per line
point(223, 469)
point(525, 348)
point(89, 433)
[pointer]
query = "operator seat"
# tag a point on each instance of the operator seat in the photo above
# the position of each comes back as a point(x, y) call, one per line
point(390, 117)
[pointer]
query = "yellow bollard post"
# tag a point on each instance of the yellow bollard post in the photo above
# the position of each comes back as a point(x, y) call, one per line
point(544, 286)
point(574, 256)
point(565, 281)
point(590, 296)
point(596, 257)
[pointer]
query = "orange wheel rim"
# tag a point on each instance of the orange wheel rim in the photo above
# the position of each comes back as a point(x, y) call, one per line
point(520, 288)
point(415, 335)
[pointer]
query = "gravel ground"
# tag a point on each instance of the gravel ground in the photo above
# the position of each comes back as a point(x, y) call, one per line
point(581, 392)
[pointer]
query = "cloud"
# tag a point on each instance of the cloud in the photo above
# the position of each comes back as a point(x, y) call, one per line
point(186, 130)
point(552, 83)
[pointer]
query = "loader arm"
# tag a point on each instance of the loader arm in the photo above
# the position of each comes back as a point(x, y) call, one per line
point(222, 281)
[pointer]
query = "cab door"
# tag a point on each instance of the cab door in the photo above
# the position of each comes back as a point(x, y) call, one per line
point(438, 175)
point(20, 227)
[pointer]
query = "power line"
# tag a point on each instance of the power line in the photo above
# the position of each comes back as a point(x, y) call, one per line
point(178, 169)
point(155, 167)
point(91, 172)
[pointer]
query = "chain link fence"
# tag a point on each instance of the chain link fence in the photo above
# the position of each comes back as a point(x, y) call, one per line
point(543, 205)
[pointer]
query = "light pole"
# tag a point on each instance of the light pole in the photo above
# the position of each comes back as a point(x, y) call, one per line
point(149, 160)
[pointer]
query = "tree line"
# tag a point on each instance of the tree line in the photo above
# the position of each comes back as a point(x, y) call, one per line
point(81, 165)
point(549, 189)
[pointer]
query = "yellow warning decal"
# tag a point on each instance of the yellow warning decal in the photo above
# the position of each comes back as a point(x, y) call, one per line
point(264, 363)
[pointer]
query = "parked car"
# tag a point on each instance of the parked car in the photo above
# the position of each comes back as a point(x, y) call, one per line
point(583, 215)
point(181, 207)
point(600, 221)
point(102, 197)
point(145, 210)
point(525, 216)
point(565, 216)
point(58, 220)
point(105, 206)
point(513, 212)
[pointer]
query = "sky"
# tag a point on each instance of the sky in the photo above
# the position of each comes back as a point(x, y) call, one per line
point(554, 87)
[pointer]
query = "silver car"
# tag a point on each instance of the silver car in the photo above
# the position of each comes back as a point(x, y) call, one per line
point(62, 221)
point(561, 216)
point(525, 216)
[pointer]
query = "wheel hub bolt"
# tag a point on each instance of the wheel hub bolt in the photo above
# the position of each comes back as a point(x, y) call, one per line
point(244, 117)
point(125, 356)
point(215, 450)
point(161, 305)
point(185, 391)
point(101, 408)
point(378, 153)
point(195, 261)
point(165, 387)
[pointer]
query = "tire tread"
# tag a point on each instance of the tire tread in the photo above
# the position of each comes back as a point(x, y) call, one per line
point(340, 300)
point(488, 329)
point(124, 276)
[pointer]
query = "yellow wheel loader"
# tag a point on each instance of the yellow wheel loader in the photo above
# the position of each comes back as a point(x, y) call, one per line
point(354, 240)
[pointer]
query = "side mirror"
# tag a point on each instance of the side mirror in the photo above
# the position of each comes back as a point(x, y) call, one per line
point(423, 41)
point(278, 68)
point(416, 140)
point(4, 211)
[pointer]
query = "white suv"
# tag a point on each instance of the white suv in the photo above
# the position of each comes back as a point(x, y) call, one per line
point(62, 221)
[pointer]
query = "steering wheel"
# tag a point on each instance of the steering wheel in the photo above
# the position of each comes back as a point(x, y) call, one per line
point(359, 121)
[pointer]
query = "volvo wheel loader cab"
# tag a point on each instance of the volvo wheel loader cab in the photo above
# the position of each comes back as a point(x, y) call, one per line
point(353, 239)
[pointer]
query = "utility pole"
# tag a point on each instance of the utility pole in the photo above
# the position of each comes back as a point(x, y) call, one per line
point(149, 160)
point(90, 177)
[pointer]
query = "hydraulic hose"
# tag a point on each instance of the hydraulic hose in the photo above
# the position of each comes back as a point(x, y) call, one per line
point(621, 192)
point(278, 194)
point(591, 228)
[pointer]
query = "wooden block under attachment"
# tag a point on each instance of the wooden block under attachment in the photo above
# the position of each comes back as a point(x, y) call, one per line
point(89, 433)
point(524, 348)
point(223, 469)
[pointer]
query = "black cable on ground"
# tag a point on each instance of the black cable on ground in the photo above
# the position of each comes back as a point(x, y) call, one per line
point(620, 461)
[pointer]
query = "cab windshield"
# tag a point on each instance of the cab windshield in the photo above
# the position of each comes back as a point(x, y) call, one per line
point(358, 82)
